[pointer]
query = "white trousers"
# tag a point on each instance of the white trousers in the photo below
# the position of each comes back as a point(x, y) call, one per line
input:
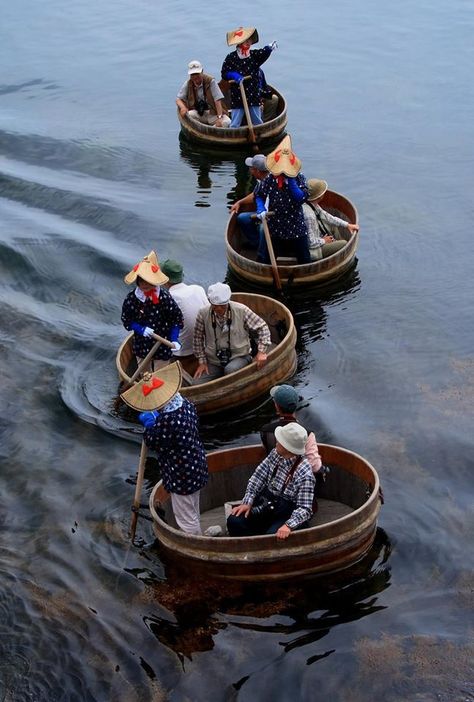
point(186, 512)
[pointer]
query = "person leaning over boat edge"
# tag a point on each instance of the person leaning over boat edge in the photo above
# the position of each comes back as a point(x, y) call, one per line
point(285, 483)
point(221, 336)
point(286, 400)
point(250, 225)
point(189, 298)
point(201, 98)
point(242, 63)
point(323, 228)
point(150, 309)
point(172, 431)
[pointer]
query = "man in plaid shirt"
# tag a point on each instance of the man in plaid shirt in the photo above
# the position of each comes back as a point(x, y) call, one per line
point(221, 336)
point(286, 478)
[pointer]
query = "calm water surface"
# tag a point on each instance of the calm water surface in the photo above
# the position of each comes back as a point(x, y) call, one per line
point(92, 176)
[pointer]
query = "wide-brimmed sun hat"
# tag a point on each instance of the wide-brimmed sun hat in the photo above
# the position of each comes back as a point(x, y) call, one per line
point(173, 270)
point(316, 188)
point(285, 396)
point(293, 437)
point(241, 34)
point(194, 67)
point(219, 294)
point(154, 390)
point(282, 161)
point(147, 269)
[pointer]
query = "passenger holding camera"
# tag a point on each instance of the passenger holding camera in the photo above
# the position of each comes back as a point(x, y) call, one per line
point(222, 336)
point(201, 98)
point(279, 494)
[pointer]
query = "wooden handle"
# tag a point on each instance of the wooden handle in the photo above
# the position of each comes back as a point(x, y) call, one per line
point(268, 239)
point(138, 490)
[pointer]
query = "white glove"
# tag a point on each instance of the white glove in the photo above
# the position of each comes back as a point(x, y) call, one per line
point(176, 346)
point(148, 331)
point(273, 46)
point(262, 215)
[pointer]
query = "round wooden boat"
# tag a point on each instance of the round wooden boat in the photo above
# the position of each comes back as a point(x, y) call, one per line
point(265, 133)
point(340, 533)
point(242, 260)
point(246, 384)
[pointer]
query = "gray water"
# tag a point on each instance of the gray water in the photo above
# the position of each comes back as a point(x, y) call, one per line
point(92, 176)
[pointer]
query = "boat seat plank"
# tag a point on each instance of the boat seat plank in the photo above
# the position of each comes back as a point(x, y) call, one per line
point(328, 511)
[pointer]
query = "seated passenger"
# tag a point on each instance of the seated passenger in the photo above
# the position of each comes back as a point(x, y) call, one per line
point(286, 400)
point(279, 495)
point(221, 336)
point(324, 237)
point(250, 226)
point(201, 98)
point(268, 100)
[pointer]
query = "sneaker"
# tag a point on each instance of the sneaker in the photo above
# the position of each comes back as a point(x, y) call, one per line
point(213, 531)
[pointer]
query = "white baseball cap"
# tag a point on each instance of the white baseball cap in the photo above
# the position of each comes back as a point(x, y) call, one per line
point(194, 67)
point(219, 294)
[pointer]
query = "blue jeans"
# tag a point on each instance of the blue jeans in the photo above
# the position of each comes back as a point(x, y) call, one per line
point(237, 115)
point(299, 248)
point(250, 228)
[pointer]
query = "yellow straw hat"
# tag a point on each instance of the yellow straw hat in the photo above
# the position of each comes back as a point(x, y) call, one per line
point(283, 161)
point(241, 34)
point(155, 389)
point(148, 269)
point(316, 188)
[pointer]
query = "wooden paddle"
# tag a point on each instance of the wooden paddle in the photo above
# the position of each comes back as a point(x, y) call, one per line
point(138, 490)
point(252, 137)
point(148, 358)
point(268, 239)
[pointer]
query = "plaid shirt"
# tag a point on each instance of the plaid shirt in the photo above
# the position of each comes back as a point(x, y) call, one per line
point(251, 322)
point(299, 490)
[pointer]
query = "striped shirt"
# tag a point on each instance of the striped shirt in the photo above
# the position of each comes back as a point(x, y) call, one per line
point(252, 322)
point(299, 490)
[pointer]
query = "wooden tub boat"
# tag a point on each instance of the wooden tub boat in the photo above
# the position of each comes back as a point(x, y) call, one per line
point(243, 264)
point(265, 133)
point(341, 532)
point(246, 384)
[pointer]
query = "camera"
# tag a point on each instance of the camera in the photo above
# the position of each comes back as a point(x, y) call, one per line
point(201, 107)
point(264, 505)
point(224, 356)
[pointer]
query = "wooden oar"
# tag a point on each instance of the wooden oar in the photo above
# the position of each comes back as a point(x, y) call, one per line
point(138, 491)
point(148, 358)
point(252, 137)
point(268, 239)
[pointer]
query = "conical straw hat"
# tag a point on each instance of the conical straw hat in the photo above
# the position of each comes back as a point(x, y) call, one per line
point(241, 34)
point(148, 269)
point(283, 161)
point(155, 389)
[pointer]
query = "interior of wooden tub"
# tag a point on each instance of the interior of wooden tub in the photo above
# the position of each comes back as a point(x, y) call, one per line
point(340, 494)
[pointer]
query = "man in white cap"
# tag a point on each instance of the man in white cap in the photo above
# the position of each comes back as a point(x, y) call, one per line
point(221, 336)
point(251, 228)
point(279, 495)
point(201, 98)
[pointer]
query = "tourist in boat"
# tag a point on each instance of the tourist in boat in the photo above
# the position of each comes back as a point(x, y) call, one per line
point(283, 192)
point(201, 98)
point(221, 336)
point(324, 237)
point(189, 298)
point(286, 400)
point(172, 431)
point(250, 225)
point(279, 494)
point(242, 63)
point(149, 309)
point(269, 100)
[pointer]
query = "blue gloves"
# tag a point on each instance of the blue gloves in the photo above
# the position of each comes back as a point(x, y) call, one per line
point(174, 333)
point(148, 419)
point(233, 75)
point(295, 191)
